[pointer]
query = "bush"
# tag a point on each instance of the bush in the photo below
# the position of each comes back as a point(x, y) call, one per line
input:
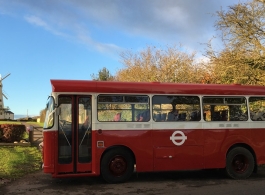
point(10, 133)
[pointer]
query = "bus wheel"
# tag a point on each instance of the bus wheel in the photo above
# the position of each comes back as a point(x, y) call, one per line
point(117, 165)
point(239, 163)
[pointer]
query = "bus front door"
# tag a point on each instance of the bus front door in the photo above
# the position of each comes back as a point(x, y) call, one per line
point(74, 135)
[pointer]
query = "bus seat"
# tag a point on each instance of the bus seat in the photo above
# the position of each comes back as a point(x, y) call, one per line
point(183, 116)
point(199, 116)
point(146, 115)
point(216, 116)
point(193, 116)
point(204, 116)
point(163, 116)
point(223, 116)
point(158, 117)
point(154, 116)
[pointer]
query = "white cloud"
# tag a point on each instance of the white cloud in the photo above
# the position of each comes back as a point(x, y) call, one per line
point(189, 22)
point(41, 23)
point(37, 21)
point(108, 48)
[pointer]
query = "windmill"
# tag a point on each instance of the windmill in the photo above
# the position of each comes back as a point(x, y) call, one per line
point(2, 108)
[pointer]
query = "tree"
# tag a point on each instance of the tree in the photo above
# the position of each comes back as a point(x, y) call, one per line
point(42, 115)
point(232, 67)
point(161, 65)
point(103, 75)
point(243, 26)
point(242, 29)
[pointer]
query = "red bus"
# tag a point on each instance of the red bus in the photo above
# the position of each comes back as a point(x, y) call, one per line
point(113, 129)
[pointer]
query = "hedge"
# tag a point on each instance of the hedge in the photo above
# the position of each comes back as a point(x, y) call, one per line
point(9, 133)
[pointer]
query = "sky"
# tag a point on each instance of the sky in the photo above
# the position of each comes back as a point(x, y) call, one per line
point(54, 39)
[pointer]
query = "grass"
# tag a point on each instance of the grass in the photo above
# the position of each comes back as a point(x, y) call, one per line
point(18, 161)
point(10, 122)
point(35, 124)
point(19, 123)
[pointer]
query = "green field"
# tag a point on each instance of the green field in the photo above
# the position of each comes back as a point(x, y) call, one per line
point(35, 124)
point(18, 123)
point(18, 161)
point(10, 122)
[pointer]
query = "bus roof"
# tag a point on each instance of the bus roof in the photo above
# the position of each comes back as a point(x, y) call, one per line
point(153, 88)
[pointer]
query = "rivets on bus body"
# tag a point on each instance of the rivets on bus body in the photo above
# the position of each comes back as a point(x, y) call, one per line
point(100, 131)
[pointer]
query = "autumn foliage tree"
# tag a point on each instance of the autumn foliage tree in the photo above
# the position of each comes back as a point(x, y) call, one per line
point(162, 65)
point(242, 59)
point(42, 115)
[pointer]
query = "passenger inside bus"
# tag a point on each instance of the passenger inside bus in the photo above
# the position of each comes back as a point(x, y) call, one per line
point(117, 117)
point(86, 123)
point(220, 116)
point(195, 116)
point(139, 117)
point(144, 116)
point(157, 117)
point(173, 115)
point(223, 115)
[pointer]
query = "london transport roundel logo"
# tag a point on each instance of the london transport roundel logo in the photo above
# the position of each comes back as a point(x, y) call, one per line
point(178, 138)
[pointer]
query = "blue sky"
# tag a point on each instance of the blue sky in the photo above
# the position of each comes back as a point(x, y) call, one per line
point(54, 39)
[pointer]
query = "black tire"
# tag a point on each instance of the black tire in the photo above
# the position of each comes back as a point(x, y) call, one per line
point(117, 165)
point(240, 163)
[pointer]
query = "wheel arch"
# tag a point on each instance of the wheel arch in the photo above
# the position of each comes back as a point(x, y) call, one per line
point(248, 147)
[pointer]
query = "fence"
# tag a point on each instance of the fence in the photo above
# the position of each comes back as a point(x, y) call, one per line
point(35, 135)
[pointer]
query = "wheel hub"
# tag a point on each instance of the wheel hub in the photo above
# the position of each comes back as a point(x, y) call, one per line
point(118, 166)
point(240, 163)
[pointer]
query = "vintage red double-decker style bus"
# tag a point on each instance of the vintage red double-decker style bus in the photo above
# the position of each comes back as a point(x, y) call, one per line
point(112, 129)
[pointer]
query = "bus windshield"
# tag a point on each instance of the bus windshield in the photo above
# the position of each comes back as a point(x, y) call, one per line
point(49, 119)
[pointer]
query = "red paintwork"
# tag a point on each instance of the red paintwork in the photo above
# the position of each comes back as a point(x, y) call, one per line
point(203, 149)
point(153, 88)
point(49, 147)
point(153, 149)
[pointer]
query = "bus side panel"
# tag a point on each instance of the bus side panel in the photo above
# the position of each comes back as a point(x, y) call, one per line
point(218, 142)
point(96, 153)
point(171, 154)
point(139, 141)
point(48, 151)
point(258, 140)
